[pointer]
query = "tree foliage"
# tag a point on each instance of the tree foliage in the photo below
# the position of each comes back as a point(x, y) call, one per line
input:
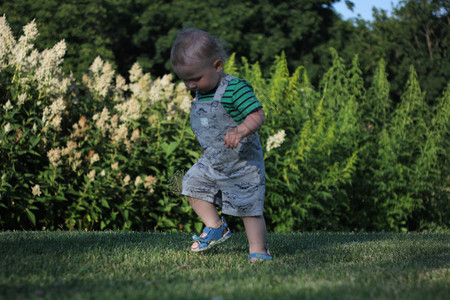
point(126, 31)
point(416, 34)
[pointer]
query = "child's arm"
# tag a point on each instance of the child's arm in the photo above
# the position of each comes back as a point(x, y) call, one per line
point(252, 123)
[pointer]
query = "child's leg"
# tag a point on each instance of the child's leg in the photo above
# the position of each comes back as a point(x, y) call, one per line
point(255, 227)
point(206, 211)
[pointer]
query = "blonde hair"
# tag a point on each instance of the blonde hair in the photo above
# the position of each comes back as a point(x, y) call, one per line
point(194, 44)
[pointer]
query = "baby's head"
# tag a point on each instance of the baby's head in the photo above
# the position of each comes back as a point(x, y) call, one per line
point(198, 59)
point(196, 46)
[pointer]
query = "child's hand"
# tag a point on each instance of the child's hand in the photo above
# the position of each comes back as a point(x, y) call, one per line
point(252, 123)
point(232, 138)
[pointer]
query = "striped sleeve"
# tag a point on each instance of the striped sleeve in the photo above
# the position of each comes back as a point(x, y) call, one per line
point(240, 100)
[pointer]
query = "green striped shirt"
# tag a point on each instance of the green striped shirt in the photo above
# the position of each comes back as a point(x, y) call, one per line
point(239, 100)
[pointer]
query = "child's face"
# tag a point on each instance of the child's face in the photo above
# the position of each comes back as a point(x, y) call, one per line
point(200, 76)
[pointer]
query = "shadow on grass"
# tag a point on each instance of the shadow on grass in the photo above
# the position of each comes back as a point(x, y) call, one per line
point(280, 244)
point(79, 241)
point(387, 255)
point(151, 265)
point(292, 243)
point(142, 289)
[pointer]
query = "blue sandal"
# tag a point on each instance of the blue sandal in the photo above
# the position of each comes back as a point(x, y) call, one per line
point(213, 237)
point(254, 257)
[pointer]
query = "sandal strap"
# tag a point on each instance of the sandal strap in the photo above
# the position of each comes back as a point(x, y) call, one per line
point(263, 256)
point(212, 233)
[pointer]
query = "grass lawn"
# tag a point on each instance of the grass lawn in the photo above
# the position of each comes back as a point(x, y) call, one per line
point(149, 265)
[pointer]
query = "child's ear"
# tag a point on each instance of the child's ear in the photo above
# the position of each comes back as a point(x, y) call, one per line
point(218, 65)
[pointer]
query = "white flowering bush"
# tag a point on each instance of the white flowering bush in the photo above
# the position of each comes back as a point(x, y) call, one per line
point(34, 97)
point(90, 155)
point(129, 143)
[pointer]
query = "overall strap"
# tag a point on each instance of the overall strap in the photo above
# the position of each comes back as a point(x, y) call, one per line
point(222, 87)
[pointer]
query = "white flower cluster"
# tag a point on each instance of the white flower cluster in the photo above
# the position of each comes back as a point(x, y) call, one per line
point(7, 128)
point(91, 175)
point(121, 133)
point(140, 83)
point(42, 68)
point(147, 90)
point(31, 68)
point(129, 110)
point(101, 120)
point(150, 91)
point(144, 93)
point(7, 41)
point(54, 156)
point(275, 140)
point(100, 81)
point(18, 50)
point(183, 98)
point(95, 158)
point(22, 98)
point(149, 182)
point(48, 74)
point(52, 115)
point(162, 88)
point(74, 156)
point(36, 190)
point(7, 106)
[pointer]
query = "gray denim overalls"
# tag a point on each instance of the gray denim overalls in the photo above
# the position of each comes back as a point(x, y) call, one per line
point(231, 178)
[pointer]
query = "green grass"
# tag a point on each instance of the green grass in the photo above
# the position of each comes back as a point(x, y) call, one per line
point(147, 265)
